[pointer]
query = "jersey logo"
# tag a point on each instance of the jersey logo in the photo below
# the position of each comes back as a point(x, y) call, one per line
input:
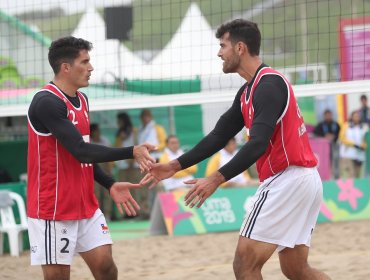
point(301, 130)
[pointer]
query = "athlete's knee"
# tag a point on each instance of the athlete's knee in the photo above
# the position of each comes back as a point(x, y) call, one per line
point(293, 272)
point(107, 270)
point(55, 272)
point(245, 266)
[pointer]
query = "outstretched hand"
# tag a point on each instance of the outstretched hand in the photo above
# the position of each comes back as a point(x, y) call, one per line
point(120, 193)
point(202, 189)
point(142, 156)
point(160, 171)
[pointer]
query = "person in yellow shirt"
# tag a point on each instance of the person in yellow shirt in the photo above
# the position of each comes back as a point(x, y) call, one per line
point(223, 157)
point(353, 146)
point(172, 151)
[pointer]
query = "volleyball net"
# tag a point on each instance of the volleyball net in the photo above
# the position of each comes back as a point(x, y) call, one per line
point(162, 54)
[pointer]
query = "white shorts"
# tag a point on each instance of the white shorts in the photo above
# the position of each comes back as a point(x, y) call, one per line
point(56, 242)
point(285, 208)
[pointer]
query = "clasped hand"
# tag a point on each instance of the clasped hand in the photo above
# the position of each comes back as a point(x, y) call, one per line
point(202, 188)
point(143, 157)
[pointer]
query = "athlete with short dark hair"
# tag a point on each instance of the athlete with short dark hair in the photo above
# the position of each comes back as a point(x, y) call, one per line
point(63, 213)
point(283, 212)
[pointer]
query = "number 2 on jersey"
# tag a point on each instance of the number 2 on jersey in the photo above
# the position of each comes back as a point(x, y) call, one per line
point(73, 117)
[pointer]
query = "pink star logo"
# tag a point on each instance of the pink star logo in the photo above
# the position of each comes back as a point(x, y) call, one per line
point(349, 192)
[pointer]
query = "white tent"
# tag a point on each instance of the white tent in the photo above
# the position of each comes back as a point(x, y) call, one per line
point(193, 52)
point(110, 58)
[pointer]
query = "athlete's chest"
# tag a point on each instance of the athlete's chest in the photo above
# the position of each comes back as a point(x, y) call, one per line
point(79, 117)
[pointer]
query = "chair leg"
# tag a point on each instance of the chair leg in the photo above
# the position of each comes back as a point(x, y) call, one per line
point(20, 242)
point(13, 242)
point(1, 243)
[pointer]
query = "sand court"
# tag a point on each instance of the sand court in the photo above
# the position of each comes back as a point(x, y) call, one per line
point(341, 249)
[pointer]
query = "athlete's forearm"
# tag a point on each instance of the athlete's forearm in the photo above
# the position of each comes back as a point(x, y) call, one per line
point(102, 178)
point(249, 153)
point(92, 153)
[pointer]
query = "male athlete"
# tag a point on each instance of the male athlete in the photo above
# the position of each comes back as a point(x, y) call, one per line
point(63, 213)
point(283, 212)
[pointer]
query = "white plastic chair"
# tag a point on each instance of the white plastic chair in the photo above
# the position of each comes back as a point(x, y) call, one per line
point(9, 226)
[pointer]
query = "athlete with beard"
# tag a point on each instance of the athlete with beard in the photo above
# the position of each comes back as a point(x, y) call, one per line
point(283, 212)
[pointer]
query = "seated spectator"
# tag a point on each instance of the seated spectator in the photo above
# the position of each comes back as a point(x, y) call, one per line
point(173, 151)
point(105, 202)
point(353, 144)
point(223, 157)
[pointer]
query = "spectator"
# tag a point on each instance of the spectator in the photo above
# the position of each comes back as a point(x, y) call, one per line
point(223, 157)
point(329, 129)
point(155, 134)
point(105, 202)
point(173, 151)
point(364, 111)
point(126, 136)
point(150, 132)
point(353, 145)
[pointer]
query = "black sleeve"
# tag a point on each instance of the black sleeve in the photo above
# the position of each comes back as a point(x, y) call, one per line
point(318, 131)
point(229, 124)
point(269, 101)
point(102, 178)
point(50, 113)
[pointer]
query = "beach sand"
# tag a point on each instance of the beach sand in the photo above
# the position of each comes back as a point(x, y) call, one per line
point(342, 250)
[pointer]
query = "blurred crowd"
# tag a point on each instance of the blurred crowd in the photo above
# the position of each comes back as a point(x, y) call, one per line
point(347, 144)
point(169, 148)
point(347, 141)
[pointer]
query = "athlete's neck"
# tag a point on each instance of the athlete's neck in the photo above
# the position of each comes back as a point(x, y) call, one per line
point(249, 67)
point(65, 87)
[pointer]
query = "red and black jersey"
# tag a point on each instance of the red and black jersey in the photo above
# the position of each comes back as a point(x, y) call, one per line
point(289, 143)
point(59, 186)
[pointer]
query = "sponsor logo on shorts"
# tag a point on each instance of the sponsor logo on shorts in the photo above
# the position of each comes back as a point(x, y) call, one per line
point(104, 228)
point(33, 249)
point(64, 231)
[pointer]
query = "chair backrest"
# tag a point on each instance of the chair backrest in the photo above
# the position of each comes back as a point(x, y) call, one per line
point(7, 215)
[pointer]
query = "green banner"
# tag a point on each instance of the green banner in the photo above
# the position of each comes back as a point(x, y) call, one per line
point(344, 200)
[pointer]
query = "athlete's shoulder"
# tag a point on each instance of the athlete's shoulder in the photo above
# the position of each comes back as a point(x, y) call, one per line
point(273, 77)
point(45, 97)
